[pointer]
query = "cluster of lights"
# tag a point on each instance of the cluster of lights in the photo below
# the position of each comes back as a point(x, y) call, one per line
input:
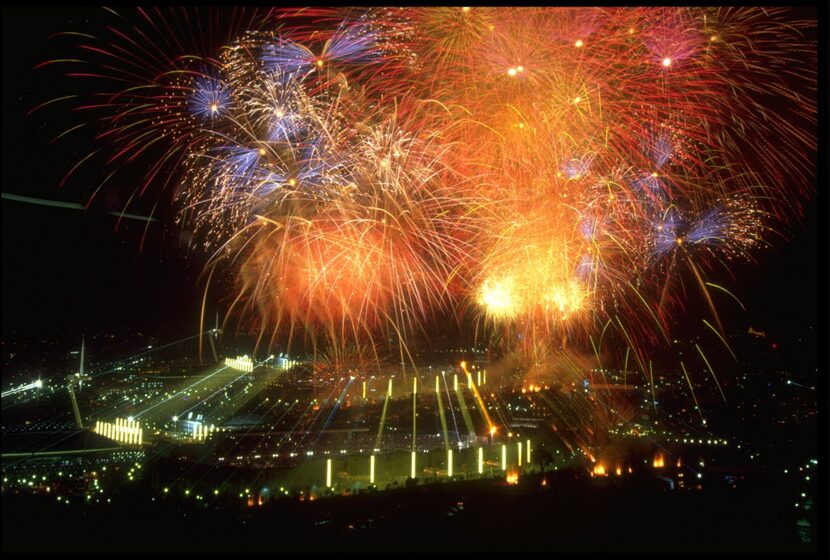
point(241, 363)
point(515, 70)
point(132, 472)
point(524, 452)
point(600, 470)
point(707, 441)
point(284, 362)
point(123, 430)
point(532, 389)
point(201, 431)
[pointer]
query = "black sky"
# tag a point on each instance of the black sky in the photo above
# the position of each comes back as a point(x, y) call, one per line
point(68, 270)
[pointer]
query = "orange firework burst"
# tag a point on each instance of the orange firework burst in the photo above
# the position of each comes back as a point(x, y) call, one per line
point(564, 172)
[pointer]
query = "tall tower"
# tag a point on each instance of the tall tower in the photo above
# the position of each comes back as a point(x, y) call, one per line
point(75, 408)
point(79, 378)
point(213, 336)
point(81, 371)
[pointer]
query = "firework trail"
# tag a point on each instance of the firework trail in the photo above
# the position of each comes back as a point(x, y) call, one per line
point(557, 174)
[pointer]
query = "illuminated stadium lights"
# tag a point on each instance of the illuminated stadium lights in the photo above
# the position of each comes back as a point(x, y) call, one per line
point(528, 452)
point(328, 473)
point(123, 430)
point(503, 457)
point(240, 363)
point(372, 469)
point(519, 445)
point(285, 363)
point(480, 460)
point(449, 463)
point(200, 431)
point(412, 469)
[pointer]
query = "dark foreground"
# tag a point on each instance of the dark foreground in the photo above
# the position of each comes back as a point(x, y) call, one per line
point(570, 512)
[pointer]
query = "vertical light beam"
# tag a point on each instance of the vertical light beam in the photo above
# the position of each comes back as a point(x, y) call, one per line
point(412, 470)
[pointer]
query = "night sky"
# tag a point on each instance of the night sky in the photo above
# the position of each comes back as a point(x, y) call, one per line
point(68, 271)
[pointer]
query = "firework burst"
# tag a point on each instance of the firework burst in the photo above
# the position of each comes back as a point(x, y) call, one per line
point(556, 171)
